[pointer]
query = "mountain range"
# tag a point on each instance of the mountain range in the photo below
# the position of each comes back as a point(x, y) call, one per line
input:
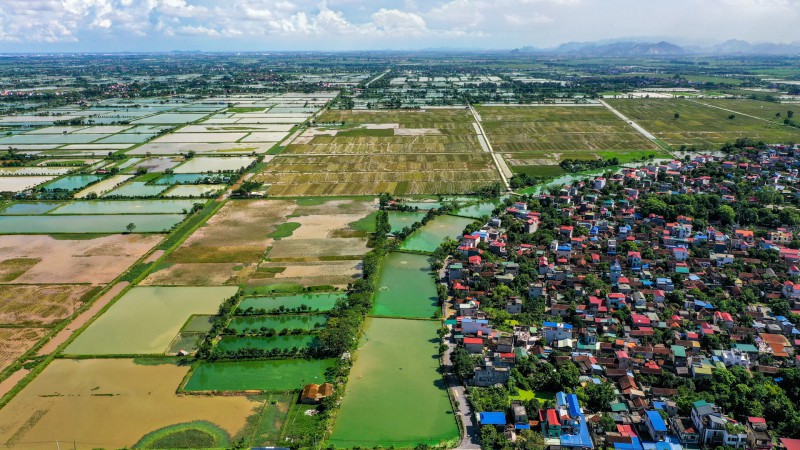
point(663, 48)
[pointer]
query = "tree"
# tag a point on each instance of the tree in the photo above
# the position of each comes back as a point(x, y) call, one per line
point(677, 116)
point(726, 214)
point(463, 364)
point(790, 113)
point(600, 395)
point(130, 227)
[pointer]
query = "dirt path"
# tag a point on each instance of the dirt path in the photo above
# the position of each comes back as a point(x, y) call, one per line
point(154, 256)
point(82, 319)
point(12, 381)
point(502, 168)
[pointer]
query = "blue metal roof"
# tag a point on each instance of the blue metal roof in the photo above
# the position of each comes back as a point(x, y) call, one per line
point(565, 326)
point(573, 405)
point(656, 421)
point(492, 418)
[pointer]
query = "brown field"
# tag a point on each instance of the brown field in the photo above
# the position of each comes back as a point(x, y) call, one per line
point(230, 247)
point(17, 341)
point(41, 305)
point(331, 273)
point(42, 259)
point(110, 403)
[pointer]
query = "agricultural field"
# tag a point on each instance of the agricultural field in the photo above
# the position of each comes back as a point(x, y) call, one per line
point(366, 153)
point(397, 368)
point(146, 320)
point(45, 260)
point(702, 126)
point(534, 139)
point(113, 403)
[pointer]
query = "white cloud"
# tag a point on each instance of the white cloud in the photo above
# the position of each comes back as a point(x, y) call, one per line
point(394, 20)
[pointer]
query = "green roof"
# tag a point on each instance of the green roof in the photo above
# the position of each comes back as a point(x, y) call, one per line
point(679, 351)
point(618, 407)
point(747, 348)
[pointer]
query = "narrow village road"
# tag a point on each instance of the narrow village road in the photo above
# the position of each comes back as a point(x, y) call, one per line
point(470, 432)
point(635, 125)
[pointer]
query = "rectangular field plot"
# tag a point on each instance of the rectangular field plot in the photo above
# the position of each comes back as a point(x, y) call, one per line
point(45, 260)
point(146, 320)
point(127, 207)
point(17, 341)
point(700, 125)
point(401, 354)
point(113, 403)
point(369, 152)
point(374, 174)
point(19, 184)
point(200, 165)
point(88, 223)
point(40, 305)
point(550, 130)
point(267, 375)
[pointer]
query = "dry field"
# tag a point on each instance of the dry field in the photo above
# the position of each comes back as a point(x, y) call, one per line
point(246, 242)
point(41, 305)
point(110, 403)
point(369, 152)
point(41, 259)
point(17, 341)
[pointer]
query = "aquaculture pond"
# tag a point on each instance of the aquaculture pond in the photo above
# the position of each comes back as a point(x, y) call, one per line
point(278, 322)
point(430, 236)
point(234, 343)
point(181, 178)
point(71, 182)
point(405, 287)
point(477, 210)
point(395, 395)
point(128, 207)
point(322, 302)
point(400, 219)
point(265, 375)
point(22, 209)
point(44, 224)
point(194, 190)
point(136, 189)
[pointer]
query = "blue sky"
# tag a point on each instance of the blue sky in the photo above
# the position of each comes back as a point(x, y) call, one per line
point(255, 25)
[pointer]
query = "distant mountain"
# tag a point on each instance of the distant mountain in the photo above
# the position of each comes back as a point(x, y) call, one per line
point(663, 48)
point(611, 49)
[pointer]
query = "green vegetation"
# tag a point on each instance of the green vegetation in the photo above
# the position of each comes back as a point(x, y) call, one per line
point(199, 434)
point(405, 287)
point(262, 375)
point(284, 230)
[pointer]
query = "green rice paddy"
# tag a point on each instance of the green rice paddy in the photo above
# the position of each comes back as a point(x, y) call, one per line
point(29, 208)
point(281, 322)
point(395, 395)
point(71, 182)
point(266, 375)
point(430, 236)
point(322, 302)
point(405, 287)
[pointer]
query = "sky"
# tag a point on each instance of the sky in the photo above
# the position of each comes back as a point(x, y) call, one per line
point(286, 25)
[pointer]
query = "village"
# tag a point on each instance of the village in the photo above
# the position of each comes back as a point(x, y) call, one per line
point(652, 308)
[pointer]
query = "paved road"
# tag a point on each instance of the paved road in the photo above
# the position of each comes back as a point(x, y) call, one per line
point(735, 112)
point(502, 168)
point(635, 125)
point(471, 432)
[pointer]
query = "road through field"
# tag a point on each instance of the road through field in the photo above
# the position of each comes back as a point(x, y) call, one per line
point(638, 128)
point(502, 167)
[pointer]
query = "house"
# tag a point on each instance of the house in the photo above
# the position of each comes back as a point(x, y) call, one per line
point(554, 332)
point(550, 423)
point(520, 417)
point(684, 429)
point(454, 272)
point(514, 305)
point(655, 425)
point(713, 426)
point(680, 254)
point(791, 290)
point(635, 260)
point(489, 374)
point(314, 393)
point(473, 345)
point(758, 437)
point(497, 419)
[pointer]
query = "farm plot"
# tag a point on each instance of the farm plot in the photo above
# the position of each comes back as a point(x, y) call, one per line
point(227, 247)
point(146, 320)
point(536, 136)
point(374, 174)
point(699, 125)
point(282, 322)
point(420, 409)
point(22, 183)
point(113, 403)
point(314, 302)
point(45, 260)
point(17, 341)
point(88, 223)
point(366, 153)
point(40, 305)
